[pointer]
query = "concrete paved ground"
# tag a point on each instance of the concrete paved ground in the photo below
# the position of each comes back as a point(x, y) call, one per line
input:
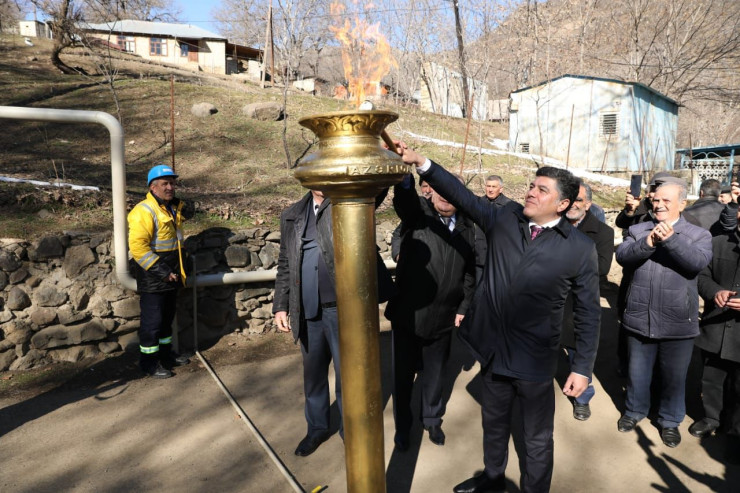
point(182, 434)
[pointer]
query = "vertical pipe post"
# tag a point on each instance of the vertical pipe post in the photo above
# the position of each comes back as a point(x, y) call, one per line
point(357, 308)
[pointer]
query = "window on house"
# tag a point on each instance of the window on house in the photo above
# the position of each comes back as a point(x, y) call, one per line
point(127, 43)
point(524, 147)
point(184, 49)
point(158, 46)
point(609, 124)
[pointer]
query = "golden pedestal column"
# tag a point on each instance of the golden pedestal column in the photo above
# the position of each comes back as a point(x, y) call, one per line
point(351, 168)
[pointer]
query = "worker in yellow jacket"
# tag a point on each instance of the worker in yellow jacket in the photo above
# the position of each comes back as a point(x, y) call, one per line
point(155, 241)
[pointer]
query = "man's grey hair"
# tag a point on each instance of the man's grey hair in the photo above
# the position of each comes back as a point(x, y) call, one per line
point(495, 178)
point(589, 193)
point(683, 191)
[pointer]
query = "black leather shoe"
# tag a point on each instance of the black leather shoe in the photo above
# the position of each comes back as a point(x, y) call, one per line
point(309, 444)
point(626, 423)
point(702, 428)
point(581, 411)
point(436, 435)
point(671, 437)
point(157, 371)
point(481, 484)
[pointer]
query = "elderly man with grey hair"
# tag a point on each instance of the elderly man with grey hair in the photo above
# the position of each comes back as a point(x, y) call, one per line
point(665, 256)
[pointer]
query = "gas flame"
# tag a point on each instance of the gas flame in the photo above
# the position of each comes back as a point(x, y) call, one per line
point(366, 54)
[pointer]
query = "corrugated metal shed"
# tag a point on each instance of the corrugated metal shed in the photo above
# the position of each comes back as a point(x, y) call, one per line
point(595, 123)
point(165, 29)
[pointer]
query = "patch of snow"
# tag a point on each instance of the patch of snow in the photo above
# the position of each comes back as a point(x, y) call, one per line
point(48, 184)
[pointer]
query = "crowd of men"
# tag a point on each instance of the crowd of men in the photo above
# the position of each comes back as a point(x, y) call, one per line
point(520, 284)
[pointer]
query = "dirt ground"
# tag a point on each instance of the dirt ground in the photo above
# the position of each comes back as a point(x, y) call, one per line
point(104, 428)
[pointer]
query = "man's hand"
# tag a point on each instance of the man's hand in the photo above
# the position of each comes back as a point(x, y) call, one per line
point(171, 278)
point(458, 319)
point(630, 204)
point(661, 232)
point(720, 299)
point(575, 385)
point(735, 191)
point(281, 320)
point(730, 302)
point(409, 156)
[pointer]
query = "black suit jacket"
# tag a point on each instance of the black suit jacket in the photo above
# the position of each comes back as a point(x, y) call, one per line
point(514, 321)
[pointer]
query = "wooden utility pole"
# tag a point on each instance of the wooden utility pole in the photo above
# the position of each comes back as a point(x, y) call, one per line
point(272, 50)
point(268, 38)
point(467, 132)
point(172, 119)
point(461, 55)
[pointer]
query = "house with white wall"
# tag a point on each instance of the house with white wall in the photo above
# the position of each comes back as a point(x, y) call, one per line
point(186, 45)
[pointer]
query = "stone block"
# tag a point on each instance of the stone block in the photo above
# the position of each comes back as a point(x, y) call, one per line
point(3, 280)
point(268, 112)
point(113, 292)
point(9, 261)
point(249, 293)
point(127, 308)
point(128, 327)
point(60, 335)
point(73, 354)
point(99, 307)
point(269, 255)
point(76, 258)
point(49, 296)
point(43, 316)
point(237, 256)
point(47, 247)
point(18, 299)
point(33, 358)
point(202, 110)
point(6, 359)
point(129, 342)
point(108, 347)
point(274, 237)
point(68, 316)
point(18, 276)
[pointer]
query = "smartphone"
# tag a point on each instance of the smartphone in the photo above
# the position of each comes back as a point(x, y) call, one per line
point(636, 186)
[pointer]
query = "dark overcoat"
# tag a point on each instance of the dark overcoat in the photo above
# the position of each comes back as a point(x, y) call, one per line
point(436, 268)
point(720, 327)
point(515, 319)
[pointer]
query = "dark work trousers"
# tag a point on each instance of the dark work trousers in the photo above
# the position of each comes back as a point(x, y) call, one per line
point(428, 356)
point(157, 314)
point(719, 374)
point(537, 407)
point(673, 357)
point(319, 346)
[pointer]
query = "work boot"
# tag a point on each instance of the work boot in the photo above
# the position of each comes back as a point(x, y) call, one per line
point(155, 369)
point(170, 358)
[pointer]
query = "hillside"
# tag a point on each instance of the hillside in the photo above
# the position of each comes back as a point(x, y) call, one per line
point(234, 168)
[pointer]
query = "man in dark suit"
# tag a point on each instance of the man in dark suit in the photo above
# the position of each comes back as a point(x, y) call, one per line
point(602, 235)
point(305, 301)
point(719, 341)
point(436, 279)
point(535, 259)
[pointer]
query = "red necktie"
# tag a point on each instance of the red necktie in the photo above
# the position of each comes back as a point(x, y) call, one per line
point(536, 230)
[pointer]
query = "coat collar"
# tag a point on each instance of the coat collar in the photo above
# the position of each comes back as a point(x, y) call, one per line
point(563, 227)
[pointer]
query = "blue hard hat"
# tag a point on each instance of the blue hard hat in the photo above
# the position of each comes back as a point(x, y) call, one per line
point(159, 171)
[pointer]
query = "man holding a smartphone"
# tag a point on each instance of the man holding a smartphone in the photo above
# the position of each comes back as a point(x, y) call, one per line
point(719, 341)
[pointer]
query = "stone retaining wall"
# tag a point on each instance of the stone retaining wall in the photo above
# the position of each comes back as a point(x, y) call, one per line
point(60, 299)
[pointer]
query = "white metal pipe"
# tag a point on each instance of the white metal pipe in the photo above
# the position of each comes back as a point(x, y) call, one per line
point(118, 192)
point(118, 170)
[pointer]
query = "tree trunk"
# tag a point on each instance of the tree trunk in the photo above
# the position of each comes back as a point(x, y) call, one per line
point(461, 57)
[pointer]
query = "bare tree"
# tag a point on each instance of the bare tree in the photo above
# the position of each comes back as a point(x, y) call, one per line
point(64, 15)
point(11, 11)
point(142, 10)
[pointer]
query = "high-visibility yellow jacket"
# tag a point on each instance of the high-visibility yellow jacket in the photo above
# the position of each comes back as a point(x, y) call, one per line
point(155, 242)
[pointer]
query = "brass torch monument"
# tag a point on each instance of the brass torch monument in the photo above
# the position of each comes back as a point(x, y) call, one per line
point(351, 168)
